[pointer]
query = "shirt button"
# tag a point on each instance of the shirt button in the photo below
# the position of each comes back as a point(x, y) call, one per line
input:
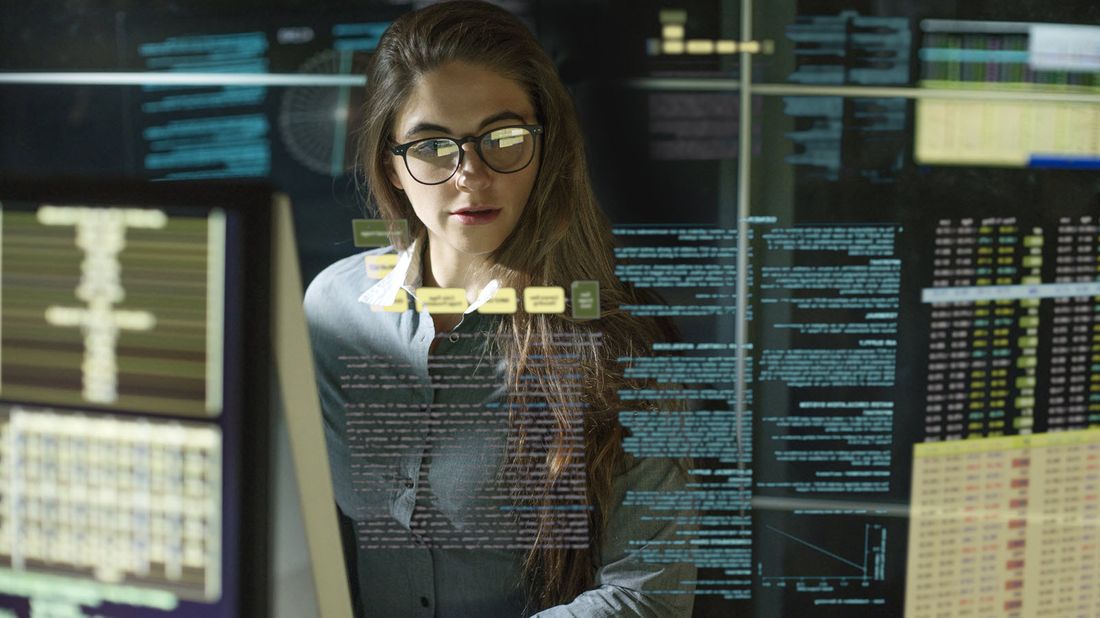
point(453, 338)
point(409, 483)
point(425, 602)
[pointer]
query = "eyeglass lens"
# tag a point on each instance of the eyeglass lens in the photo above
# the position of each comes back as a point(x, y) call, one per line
point(504, 150)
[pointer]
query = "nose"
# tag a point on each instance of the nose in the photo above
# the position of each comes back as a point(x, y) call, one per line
point(473, 175)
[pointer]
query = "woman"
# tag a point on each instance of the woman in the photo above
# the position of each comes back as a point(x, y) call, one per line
point(477, 458)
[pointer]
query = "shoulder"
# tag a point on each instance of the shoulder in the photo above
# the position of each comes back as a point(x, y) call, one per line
point(650, 474)
point(341, 282)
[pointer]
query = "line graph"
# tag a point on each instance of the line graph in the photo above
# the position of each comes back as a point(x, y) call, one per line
point(813, 567)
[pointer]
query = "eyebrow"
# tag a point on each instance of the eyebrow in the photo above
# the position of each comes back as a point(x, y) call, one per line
point(421, 127)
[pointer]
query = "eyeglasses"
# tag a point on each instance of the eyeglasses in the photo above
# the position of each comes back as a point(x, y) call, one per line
point(434, 160)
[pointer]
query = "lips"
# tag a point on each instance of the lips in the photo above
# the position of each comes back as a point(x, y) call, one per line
point(476, 215)
point(474, 210)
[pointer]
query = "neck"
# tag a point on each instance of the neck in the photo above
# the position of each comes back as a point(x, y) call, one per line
point(444, 267)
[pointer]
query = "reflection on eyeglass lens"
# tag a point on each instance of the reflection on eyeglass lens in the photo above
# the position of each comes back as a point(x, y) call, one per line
point(504, 150)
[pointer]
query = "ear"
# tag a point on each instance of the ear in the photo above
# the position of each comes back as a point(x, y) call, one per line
point(391, 173)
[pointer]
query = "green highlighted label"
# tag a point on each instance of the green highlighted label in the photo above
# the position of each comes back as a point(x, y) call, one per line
point(378, 232)
point(585, 296)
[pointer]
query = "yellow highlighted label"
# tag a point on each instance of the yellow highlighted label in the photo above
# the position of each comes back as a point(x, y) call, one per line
point(441, 300)
point(700, 46)
point(378, 266)
point(504, 301)
point(544, 299)
point(725, 46)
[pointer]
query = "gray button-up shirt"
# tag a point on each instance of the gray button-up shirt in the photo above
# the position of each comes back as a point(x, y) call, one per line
point(415, 441)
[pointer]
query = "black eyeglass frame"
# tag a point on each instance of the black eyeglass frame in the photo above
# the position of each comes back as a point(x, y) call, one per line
point(402, 150)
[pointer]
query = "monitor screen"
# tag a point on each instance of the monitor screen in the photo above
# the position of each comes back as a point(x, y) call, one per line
point(133, 430)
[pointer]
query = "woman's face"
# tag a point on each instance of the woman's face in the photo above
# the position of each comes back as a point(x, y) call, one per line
point(458, 100)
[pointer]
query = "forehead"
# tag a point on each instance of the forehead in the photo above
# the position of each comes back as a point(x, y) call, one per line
point(459, 96)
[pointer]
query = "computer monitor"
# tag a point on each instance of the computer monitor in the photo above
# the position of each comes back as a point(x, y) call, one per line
point(135, 398)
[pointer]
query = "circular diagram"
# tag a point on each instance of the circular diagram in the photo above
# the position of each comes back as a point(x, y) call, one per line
point(318, 123)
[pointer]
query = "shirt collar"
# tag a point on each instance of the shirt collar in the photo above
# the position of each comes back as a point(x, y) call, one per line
point(407, 275)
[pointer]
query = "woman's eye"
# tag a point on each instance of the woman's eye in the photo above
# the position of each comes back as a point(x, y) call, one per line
point(508, 141)
point(436, 148)
point(507, 137)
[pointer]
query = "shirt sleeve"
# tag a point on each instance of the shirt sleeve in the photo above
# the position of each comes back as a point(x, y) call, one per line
point(629, 580)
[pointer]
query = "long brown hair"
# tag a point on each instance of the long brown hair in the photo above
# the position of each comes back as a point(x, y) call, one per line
point(561, 236)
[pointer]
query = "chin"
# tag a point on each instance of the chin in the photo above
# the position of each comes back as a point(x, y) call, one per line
point(477, 246)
